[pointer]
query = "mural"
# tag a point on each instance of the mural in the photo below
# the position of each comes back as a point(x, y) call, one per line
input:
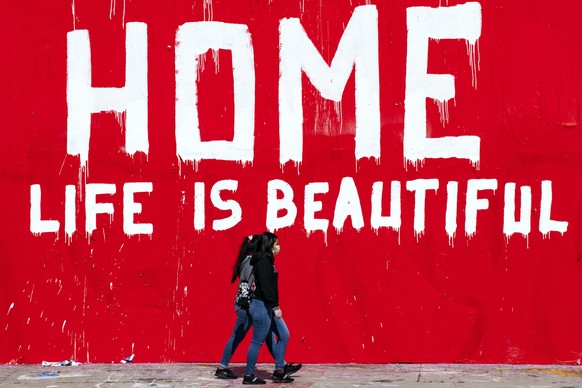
point(418, 160)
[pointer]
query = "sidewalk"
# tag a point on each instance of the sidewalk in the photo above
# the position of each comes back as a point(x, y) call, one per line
point(346, 375)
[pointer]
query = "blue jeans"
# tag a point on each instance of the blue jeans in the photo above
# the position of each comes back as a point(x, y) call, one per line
point(277, 341)
point(241, 327)
point(279, 334)
point(261, 317)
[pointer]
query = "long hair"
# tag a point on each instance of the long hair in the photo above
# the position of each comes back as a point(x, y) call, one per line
point(248, 247)
point(267, 243)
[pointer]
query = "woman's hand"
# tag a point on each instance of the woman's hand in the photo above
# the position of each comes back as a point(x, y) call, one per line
point(278, 312)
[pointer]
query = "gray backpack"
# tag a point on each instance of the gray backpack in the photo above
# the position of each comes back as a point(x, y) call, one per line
point(246, 284)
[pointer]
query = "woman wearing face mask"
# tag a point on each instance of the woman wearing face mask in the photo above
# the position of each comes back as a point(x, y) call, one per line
point(242, 270)
point(266, 313)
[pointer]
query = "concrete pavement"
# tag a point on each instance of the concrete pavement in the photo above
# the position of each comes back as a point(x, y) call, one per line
point(346, 375)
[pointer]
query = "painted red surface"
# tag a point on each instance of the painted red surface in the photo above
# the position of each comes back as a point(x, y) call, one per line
point(351, 296)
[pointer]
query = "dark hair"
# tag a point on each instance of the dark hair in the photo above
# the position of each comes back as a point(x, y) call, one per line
point(249, 246)
point(268, 240)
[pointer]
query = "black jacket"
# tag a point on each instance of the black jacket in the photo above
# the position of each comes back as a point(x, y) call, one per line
point(266, 280)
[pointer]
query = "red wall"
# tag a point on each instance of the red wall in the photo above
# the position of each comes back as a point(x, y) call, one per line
point(348, 295)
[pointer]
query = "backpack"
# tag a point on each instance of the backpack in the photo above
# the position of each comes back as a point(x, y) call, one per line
point(246, 284)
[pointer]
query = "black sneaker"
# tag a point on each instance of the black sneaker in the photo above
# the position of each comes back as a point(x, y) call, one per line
point(225, 373)
point(291, 368)
point(253, 380)
point(281, 377)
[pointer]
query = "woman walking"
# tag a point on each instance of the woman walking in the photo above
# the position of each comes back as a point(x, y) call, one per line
point(266, 313)
point(243, 270)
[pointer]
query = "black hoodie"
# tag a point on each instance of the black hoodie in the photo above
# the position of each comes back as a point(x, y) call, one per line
point(266, 280)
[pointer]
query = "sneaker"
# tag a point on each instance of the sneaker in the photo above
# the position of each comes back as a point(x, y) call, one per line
point(291, 368)
point(225, 373)
point(281, 377)
point(253, 380)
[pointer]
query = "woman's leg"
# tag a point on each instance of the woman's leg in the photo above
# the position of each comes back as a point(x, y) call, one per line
point(261, 317)
point(241, 327)
point(271, 339)
point(280, 346)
